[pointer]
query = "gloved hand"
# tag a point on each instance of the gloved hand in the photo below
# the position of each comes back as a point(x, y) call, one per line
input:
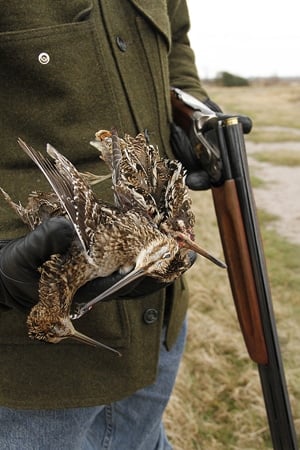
point(21, 258)
point(198, 179)
point(212, 105)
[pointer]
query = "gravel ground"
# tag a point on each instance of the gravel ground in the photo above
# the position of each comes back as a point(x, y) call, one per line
point(281, 194)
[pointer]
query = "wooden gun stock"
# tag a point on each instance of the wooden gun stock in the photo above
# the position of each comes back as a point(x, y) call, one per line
point(236, 252)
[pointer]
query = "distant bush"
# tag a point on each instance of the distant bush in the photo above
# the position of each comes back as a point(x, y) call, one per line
point(230, 80)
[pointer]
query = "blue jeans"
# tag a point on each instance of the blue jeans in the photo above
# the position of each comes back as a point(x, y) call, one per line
point(134, 423)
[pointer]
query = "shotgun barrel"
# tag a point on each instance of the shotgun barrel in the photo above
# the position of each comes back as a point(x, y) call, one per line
point(244, 254)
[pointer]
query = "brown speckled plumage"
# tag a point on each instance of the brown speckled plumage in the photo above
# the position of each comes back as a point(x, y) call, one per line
point(148, 231)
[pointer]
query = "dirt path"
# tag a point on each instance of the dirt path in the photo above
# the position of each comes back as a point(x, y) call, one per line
point(281, 194)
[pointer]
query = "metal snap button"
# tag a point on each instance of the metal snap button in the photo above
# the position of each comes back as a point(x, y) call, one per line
point(121, 44)
point(150, 315)
point(44, 58)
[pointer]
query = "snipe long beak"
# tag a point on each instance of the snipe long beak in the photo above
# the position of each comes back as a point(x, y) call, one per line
point(87, 340)
point(83, 308)
point(188, 243)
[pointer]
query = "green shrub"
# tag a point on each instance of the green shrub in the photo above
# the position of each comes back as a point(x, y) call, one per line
point(229, 80)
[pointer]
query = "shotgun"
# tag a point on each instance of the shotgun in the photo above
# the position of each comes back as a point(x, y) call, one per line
point(216, 144)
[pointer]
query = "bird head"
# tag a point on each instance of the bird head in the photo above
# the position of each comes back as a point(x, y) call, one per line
point(47, 325)
point(54, 328)
point(183, 260)
point(155, 257)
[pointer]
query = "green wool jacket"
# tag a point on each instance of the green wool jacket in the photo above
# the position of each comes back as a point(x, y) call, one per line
point(68, 69)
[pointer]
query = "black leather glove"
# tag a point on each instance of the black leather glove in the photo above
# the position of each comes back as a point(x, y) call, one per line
point(21, 258)
point(212, 105)
point(198, 179)
point(244, 120)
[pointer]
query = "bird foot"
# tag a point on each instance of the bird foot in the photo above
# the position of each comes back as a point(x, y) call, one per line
point(78, 310)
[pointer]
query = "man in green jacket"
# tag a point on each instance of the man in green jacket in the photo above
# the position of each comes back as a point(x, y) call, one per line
point(68, 69)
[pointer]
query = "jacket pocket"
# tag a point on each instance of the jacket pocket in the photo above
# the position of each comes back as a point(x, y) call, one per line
point(55, 86)
point(107, 323)
point(18, 16)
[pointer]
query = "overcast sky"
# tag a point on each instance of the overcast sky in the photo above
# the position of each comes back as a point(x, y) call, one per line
point(246, 38)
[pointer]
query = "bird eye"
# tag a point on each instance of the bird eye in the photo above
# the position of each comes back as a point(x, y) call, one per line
point(166, 255)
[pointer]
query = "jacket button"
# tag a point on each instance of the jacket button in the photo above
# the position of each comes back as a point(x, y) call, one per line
point(121, 44)
point(150, 315)
point(44, 58)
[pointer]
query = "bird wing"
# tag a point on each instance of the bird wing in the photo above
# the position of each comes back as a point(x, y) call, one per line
point(75, 195)
point(137, 179)
point(177, 208)
point(143, 180)
point(23, 212)
point(132, 168)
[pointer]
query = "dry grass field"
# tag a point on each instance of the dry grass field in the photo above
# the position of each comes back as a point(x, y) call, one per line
point(217, 402)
